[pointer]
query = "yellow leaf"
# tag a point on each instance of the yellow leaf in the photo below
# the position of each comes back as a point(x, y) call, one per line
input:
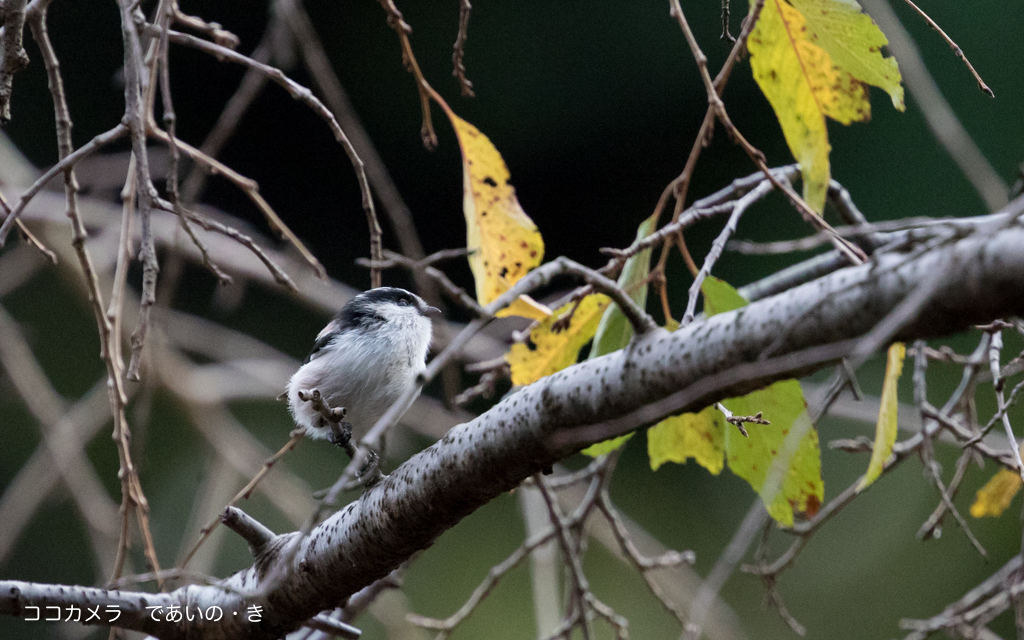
point(885, 429)
point(548, 351)
point(504, 243)
point(809, 68)
point(995, 496)
point(854, 42)
point(525, 307)
point(700, 436)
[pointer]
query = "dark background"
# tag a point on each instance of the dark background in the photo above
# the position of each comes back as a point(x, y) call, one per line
point(594, 107)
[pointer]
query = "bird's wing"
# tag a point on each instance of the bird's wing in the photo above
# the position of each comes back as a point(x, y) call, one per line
point(323, 339)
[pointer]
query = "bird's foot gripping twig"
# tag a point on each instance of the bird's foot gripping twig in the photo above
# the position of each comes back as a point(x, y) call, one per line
point(330, 418)
point(333, 418)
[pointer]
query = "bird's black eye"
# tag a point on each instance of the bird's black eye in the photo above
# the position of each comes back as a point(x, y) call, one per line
point(403, 303)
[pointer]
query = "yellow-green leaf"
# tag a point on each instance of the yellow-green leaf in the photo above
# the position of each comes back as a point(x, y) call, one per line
point(996, 495)
point(800, 489)
point(811, 59)
point(504, 243)
point(614, 332)
point(547, 351)
point(700, 436)
point(885, 429)
point(803, 86)
point(854, 42)
point(711, 441)
point(719, 296)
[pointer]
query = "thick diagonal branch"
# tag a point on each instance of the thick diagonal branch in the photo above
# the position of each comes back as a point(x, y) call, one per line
point(529, 430)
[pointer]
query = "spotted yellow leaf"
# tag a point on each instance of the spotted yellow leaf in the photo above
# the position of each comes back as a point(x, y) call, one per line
point(812, 60)
point(996, 495)
point(504, 243)
point(548, 351)
point(885, 429)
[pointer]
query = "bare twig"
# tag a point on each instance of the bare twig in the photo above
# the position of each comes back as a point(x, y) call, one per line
point(133, 498)
point(460, 50)
point(27, 234)
point(66, 162)
point(738, 421)
point(956, 49)
point(853, 253)
point(250, 529)
point(644, 564)
point(402, 28)
point(424, 266)
point(248, 89)
point(679, 187)
point(304, 95)
point(994, 351)
point(718, 246)
point(585, 599)
point(245, 492)
point(213, 30)
point(724, 567)
point(936, 109)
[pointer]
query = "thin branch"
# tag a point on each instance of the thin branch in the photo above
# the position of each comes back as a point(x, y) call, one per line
point(424, 266)
point(133, 499)
point(994, 351)
point(642, 563)
point(252, 191)
point(248, 89)
point(402, 28)
point(718, 246)
point(739, 421)
point(251, 530)
point(304, 95)
point(956, 49)
point(27, 234)
point(66, 162)
point(460, 50)
point(941, 118)
point(245, 492)
point(679, 187)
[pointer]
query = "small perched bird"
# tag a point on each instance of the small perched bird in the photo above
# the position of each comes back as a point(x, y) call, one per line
point(363, 360)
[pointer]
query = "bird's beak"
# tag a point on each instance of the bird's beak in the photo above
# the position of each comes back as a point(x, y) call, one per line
point(431, 311)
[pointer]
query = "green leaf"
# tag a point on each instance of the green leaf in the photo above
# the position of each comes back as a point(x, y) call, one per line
point(614, 332)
